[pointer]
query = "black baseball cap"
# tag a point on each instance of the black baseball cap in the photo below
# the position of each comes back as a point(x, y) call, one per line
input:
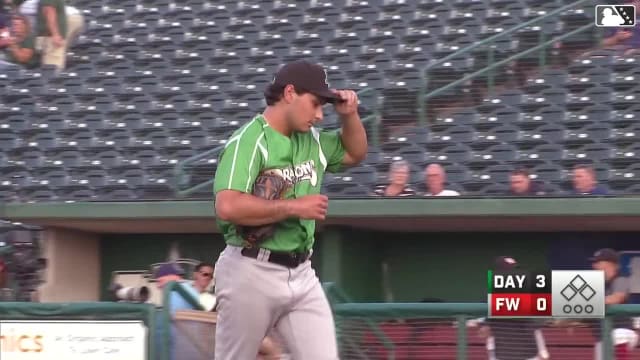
point(306, 76)
point(606, 254)
point(505, 263)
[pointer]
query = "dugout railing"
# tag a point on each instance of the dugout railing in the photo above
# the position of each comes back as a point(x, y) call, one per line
point(175, 332)
point(448, 331)
point(426, 331)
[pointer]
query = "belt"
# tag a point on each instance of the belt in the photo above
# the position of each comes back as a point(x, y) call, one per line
point(287, 259)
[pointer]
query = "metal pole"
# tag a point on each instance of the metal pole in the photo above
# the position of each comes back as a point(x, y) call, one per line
point(490, 78)
point(607, 343)
point(461, 346)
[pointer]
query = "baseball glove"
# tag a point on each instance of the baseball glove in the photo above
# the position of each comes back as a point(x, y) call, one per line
point(269, 185)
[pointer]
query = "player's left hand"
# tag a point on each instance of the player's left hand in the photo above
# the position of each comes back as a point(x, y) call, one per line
point(349, 104)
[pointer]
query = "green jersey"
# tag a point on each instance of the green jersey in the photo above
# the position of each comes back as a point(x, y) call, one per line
point(29, 43)
point(302, 158)
point(61, 17)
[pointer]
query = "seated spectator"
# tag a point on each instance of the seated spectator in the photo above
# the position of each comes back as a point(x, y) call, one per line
point(626, 39)
point(20, 46)
point(616, 289)
point(398, 181)
point(165, 274)
point(522, 185)
point(202, 281)
point(435, 178)
point(584, 181)
point(57, 26)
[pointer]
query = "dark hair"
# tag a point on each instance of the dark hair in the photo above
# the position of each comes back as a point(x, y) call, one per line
point(203, 264)
point(585, 167)
point(520, 171)
point(273, 93)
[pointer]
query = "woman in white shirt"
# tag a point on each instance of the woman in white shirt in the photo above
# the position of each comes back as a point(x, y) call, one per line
point(434, 178)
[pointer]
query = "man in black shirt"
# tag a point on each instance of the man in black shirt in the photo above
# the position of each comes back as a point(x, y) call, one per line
point(514, 339)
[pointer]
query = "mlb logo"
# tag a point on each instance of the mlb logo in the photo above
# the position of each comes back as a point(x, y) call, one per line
point(615, 15)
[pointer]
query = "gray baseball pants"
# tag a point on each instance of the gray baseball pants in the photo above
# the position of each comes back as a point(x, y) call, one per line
point(255, 296)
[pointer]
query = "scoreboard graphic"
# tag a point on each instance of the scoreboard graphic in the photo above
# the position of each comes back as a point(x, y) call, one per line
point(556, 293)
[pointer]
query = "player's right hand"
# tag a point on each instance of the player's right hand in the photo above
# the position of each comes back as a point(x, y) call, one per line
point(311, 207)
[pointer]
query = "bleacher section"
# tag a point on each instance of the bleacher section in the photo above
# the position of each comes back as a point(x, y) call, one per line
point(153, 82)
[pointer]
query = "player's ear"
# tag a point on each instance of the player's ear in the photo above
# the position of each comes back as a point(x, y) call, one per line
point(289, 93)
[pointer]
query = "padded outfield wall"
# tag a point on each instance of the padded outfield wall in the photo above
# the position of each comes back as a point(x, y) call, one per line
point(405, 249)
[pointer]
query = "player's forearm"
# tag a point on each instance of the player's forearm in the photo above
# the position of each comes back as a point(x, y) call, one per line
point(249, 210)
point(354, 137)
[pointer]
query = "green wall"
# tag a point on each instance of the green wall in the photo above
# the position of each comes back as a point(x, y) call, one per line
point(453, 266)
point(137, 252)
point(450, 266)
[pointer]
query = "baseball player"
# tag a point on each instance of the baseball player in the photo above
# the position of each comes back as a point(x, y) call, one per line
point(267, 199)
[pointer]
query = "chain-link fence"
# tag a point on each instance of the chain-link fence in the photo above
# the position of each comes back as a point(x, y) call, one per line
point(449, 331)
point(194, 334)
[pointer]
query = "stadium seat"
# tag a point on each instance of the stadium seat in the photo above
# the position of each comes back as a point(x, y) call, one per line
point(548, 173)
point(591, 133)
point(150, 83)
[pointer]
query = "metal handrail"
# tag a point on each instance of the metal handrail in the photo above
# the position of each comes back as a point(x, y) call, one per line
point(179, 171)
point(422, 96)
point(165, 314)
point(510, 31)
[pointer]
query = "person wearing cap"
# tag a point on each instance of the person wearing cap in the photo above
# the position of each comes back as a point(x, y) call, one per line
point(616, 286)
point(616, 289)
point(272, 283)
point(512, 339)
point(165, 274)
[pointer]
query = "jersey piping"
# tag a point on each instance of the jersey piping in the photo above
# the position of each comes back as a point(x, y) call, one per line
point(316, 136)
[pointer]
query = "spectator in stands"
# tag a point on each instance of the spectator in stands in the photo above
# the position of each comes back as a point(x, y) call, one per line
point(522, 185)
point(616, 286)
point(435, 178)
point(202, 281)
point(627, 39)
point(398, 181)
point(165, 274)
point(171, 272)
point(513, 339)
point(584, 181)
point(58, 25)
point(202, 277)
point(617, 290)
point(20, 45)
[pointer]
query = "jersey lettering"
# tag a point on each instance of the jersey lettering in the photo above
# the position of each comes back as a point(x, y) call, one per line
point(300, 172)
